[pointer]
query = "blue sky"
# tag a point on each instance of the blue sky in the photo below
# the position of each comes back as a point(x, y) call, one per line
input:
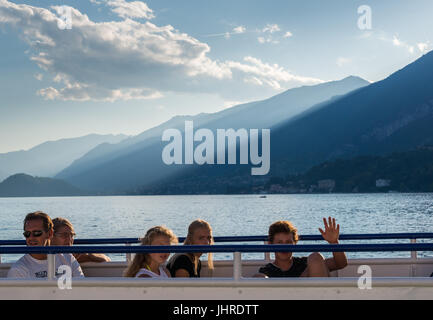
point(126, 66)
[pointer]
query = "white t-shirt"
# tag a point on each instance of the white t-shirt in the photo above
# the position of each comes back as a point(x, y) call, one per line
point(152, 274)
point(29, 267)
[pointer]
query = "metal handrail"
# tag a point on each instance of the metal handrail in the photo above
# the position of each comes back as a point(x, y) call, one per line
point(235, 249)
point(372, 236)
point(221, 248)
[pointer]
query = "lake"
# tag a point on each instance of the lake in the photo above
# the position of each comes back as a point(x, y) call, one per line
point(131, 216)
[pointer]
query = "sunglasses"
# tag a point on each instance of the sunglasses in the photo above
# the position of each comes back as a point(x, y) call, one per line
point(36, 233)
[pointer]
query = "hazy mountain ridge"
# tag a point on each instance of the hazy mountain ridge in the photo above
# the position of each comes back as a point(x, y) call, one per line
point(129, 165)
point(393, 115)
point(23, 185)
point(48, 158)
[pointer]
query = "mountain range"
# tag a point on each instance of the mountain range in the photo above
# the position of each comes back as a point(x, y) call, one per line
point(392, 115)
point(309, 125)
point(24, 185)
point(137, 161)
point(50, 157)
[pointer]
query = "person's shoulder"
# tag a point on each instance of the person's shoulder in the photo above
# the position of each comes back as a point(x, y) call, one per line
point(300, 260)
point(181, 259)
point(23, 262)
point(20, 268)
point(66, 257)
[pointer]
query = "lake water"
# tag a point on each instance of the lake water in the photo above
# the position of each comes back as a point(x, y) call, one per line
point(131, 216)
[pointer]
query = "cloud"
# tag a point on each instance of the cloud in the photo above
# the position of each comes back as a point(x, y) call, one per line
point(128, 59)
point(240, 29)
point(227, 35)
point(271, 28)
point(83, 92)
point(423, 47)
point(127, 56)
point(398, 43)
point(262, 74)
point(39, 76)
point(267, 40)
point(134, 9)
point(288, 34)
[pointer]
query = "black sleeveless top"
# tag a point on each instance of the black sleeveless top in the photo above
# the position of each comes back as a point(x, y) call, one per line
point(298, 267)
point(182, 261)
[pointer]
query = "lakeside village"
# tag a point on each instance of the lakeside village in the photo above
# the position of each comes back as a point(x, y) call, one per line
point(322, 186)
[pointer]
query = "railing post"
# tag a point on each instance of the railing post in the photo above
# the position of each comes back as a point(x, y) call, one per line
point(128, 254)
point(237, 266)
point(51, 266)
point(413, 254)
point(267, 254)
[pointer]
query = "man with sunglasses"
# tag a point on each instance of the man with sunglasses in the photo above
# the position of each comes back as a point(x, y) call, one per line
point(38, 231)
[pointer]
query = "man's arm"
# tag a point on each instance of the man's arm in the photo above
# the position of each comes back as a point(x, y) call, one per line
point(91, 257)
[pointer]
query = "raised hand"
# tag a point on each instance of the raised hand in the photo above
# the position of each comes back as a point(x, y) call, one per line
point(331, 232)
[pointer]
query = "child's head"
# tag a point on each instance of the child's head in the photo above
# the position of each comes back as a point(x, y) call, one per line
point(200, 233)
point(156, 236)
point(282, 232)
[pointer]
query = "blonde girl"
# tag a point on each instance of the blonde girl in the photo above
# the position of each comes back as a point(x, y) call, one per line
point(150, 265)
point(189, 264)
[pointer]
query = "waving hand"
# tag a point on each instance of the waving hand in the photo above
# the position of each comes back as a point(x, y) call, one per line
point(332, 231)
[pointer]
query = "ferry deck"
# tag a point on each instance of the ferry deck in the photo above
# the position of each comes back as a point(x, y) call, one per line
point(391, 278)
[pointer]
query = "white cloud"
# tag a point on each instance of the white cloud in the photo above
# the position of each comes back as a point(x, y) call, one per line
point(39, 76)
point(240, 29)
point(399, 43)
point(229, 104)
point(423, 47)
point(123, 60)
point(267, 40)
point(271, 28)
point(134, 9)
point(272, 75)
point(410, 47)
point(83, 92)
point(288, 34)
point(94, 58)
point(227, 35)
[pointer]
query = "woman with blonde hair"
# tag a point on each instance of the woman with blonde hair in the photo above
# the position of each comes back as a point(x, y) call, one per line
point(151, 265)
point(189, 264)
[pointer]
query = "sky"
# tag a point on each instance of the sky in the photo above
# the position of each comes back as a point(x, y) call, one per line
point(71, 68)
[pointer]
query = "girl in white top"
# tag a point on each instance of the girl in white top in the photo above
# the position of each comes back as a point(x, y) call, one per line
point(151, 265)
